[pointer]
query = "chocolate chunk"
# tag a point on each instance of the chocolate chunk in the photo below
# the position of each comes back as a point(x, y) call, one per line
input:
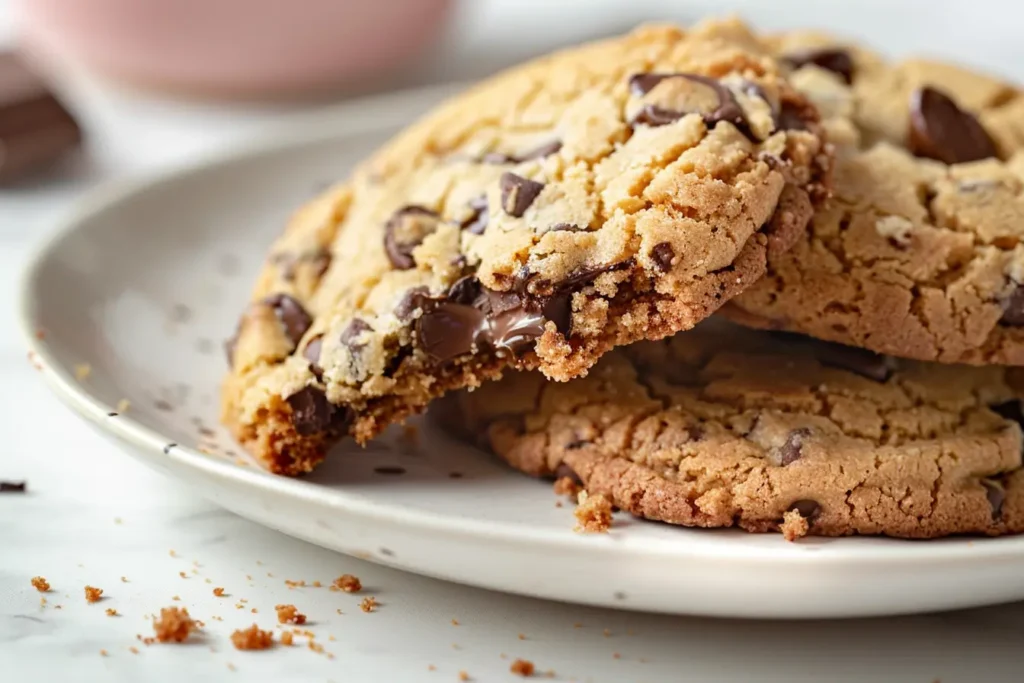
point(477, 223)
point(312, 413)
point(941, 130)
point(547, 149)
point(564, 471)
point(1011, 410)
point(35, 129)
point(312, 354)
point(406, 230)
point(292, 315)
point(1013, 308)
point(662, 255)
point(808, 509)
point(352, 332)
point(996, 494)
point(12, 487)
point(790, 117)
point(411, 302)
point(449, 330)
point(791, 450)
point(726, 107)
point(836, 60)
point(465, 290)
point(859, 361)
point(517, 193)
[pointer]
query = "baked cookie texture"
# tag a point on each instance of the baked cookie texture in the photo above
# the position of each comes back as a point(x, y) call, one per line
point(723, 426)
point(919, 253)
point(618, 191)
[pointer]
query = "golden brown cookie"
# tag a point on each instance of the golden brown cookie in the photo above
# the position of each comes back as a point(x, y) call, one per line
point(918, 254)
point(613, 192)
point(724, 426)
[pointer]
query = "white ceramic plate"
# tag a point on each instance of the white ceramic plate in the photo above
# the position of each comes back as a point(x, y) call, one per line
point(146, 279)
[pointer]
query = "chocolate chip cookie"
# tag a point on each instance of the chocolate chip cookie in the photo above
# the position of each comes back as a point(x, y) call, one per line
point(723, 426)
point(919, 253)
point(618, 191)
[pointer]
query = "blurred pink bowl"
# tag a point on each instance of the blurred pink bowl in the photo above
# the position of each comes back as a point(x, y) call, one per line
point(236, 47)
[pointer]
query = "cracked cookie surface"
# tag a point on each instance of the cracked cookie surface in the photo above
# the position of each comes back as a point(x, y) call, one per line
point(918, 253)
point(617, 191)
point(724, 426)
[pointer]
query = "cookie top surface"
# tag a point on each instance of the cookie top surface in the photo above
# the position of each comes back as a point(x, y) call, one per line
point(722, 425)
point(612, 192)
point(918, 254)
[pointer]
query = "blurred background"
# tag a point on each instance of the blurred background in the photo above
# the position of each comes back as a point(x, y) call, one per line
point(155, 82)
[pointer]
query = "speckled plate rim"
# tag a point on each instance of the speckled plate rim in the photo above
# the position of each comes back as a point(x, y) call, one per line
point(351, 119)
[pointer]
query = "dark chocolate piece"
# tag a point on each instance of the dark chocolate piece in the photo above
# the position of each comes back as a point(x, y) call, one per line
point(406, 230)
point(836, 60)
point(294, 318)
point(728, 109)
point(791, 450)
point(477, 222)
point(941, 130)
point(35, 129)
point(1013, 308)
point(518, 193)
point(312, 354)
point(312, 413)
point(12, 487)
point(662, 255)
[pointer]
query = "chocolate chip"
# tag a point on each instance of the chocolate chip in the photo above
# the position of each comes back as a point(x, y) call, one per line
point(312, 413)
point(352, 332)
point(517, 193)
point(941, 130)
point(858, 361)
point(312, 354)
point(465, 290)
point(564, 471)
point(477, 223)
point(448, 330)
point(293, 317)
point(12, 487)
point(546, 149)
point(411, 302)
point(1013, 308)
point(653, 114)
point(790, 451)
point(406, 230)
point(808, 509)
point(790, 118)
point(662, 255)
point(319, 259)
point(996, 494)
point(836, 60)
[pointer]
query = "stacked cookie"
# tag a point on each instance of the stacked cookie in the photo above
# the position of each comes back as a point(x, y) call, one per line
point(576, 218)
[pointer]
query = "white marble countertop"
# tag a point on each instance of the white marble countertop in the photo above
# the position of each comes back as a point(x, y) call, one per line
point(93, 516)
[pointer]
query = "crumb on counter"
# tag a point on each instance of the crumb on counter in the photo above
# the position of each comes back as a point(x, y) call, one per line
point(455, 622)
point(593, 514)
point(219, 592)
point(82, 371)
point(183, 575)
point(794, 525)
point(289, 614)
point(348, 583)
point(111, 612)
point(368, 604)
point(93, 594)
point(252, 638)
point(287, 638)
point(174, 625)
point(40, 584)
point(522, 667)
point(13, 487)
point(123, 405)
point(124, 579)
point(463, 676)
point(103, 653)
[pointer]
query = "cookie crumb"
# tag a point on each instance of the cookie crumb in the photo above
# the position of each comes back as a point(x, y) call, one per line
point(455, 622)
point(289, 614)
point(174, 624)
point(82, 371)
point(103, 653)
point(219, 592)
point(794, 525)
point(40, 584)
point(42, 602)
point(287, 638)
point(593, 514)
point(463, 676)
point(123, 405)
point(183, 575)
point(606, 633)
point(431, 667)
point(254, 610)
point(368, 604)
point(93, 594)
point(231, 667)
point(522, 667)
point(172, 553)
point(348, 583)
point(111, 612)
point(252, 638)
point(317, 584)
point(134, 650)
point(616, 655)
point(124, 579)
point(565, 486)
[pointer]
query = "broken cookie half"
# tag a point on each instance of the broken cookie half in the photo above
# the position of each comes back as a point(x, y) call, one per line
point(611, 193)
